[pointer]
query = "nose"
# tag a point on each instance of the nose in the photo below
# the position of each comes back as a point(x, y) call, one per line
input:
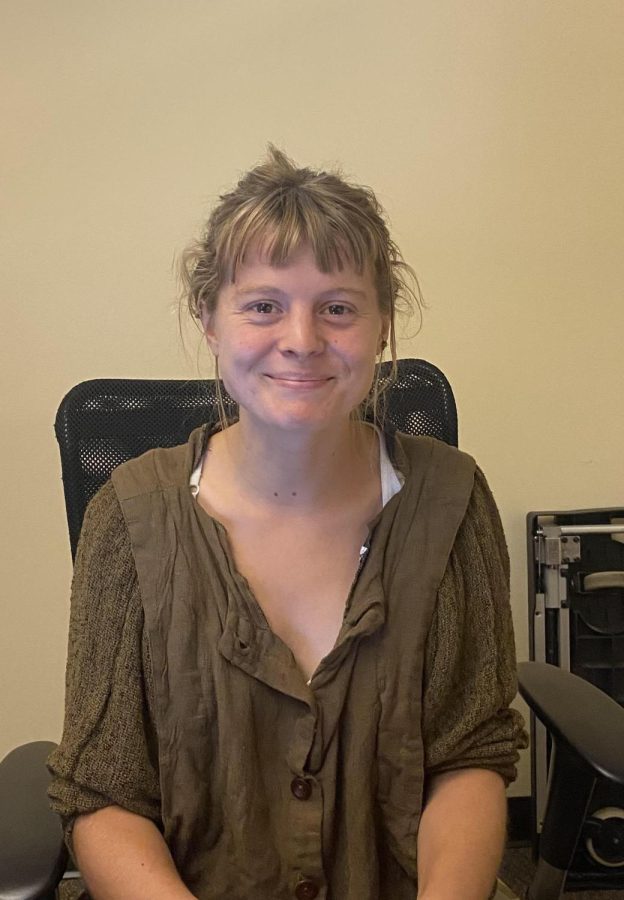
point(301, 333)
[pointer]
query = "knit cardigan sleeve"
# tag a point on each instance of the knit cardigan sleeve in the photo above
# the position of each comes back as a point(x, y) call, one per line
point(470, 665)
point(107, 754)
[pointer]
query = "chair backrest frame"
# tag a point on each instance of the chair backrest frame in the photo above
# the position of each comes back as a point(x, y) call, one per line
point(103, 422)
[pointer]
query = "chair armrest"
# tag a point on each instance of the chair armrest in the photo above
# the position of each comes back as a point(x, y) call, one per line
point(577, 713)
point(32, 852)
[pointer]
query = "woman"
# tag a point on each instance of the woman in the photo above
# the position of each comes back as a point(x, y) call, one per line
point(291, 654)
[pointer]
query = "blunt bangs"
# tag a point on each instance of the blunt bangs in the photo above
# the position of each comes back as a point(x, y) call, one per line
point(283, 224)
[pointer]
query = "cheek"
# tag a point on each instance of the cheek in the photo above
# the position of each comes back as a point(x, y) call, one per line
point(233, 343)
point(362, 349)
point(240, 355)
point(246, 350)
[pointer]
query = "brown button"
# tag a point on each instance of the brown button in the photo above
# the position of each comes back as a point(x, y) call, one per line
point(306, 890)
point(302, 790)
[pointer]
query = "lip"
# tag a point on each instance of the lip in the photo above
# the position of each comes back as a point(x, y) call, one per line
point(298, 381)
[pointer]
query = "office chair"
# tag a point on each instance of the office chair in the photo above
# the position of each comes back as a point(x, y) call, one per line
point(101, 424)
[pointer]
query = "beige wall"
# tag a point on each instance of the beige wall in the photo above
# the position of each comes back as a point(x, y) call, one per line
point(493, 133)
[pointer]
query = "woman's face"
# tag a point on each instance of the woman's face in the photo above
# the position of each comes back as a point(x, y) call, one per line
point(296, 346)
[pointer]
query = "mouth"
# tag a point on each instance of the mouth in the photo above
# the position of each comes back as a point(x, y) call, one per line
point(300, 382)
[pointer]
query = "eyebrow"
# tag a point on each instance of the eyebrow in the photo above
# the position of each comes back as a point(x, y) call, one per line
point(258, 289)
point(271, 289)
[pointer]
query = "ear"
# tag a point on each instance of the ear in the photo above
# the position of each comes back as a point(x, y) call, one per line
point(383, 335)
point(208, 327)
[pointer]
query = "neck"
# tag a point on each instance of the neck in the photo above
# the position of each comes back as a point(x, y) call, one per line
point(298, 469)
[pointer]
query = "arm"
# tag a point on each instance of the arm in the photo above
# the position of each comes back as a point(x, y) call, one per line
point(108, 758)
point(471, 735)
point(461, 836)
point(123, 856)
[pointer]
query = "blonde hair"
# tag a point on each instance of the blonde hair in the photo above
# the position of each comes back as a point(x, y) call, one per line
point(278, 207)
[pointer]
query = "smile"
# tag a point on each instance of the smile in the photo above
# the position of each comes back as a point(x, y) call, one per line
point(298, 383)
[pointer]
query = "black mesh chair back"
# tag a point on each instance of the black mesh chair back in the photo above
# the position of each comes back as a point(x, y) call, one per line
point(104, 422)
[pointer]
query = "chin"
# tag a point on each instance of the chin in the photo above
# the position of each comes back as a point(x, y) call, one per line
point(299, 419)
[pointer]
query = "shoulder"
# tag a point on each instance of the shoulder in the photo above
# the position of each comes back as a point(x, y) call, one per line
point(159, 468)
point(481, 531)
point(409, 450)
point(104, 545)
point(437, 477)
point(483, 505)
point(103, 524)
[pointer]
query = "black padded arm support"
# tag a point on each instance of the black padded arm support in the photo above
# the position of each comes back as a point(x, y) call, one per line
point(578, 714)
point(32, 852)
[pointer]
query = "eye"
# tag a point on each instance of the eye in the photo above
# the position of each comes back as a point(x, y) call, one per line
point(263, 307)
point(338, 309)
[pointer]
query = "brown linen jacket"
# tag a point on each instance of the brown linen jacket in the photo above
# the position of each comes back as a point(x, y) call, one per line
point(182, 705)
